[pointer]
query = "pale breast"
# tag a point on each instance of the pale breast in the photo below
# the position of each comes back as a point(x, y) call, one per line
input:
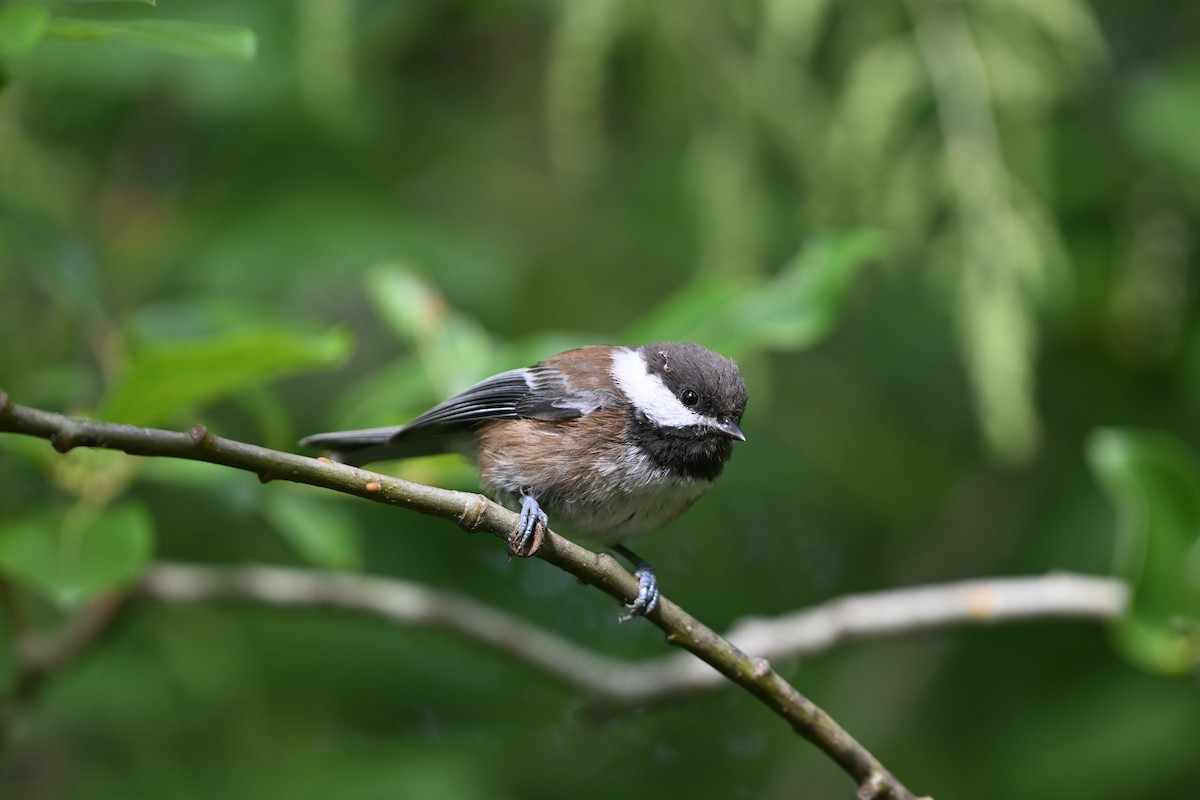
point(581, 478)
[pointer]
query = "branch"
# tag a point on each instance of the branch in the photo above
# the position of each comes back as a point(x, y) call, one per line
point(873, 615)
point(615, 684)
point(474, 512)
point(402, 603)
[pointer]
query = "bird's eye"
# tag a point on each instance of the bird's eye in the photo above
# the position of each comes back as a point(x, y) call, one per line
point(689, 397)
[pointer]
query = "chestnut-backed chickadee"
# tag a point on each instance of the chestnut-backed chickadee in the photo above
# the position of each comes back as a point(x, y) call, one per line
point(614, 441)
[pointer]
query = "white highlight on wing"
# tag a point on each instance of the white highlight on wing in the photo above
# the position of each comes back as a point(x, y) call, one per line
point(649, 393)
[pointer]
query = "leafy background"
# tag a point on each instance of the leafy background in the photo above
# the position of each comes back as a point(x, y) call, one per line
point(952, 245)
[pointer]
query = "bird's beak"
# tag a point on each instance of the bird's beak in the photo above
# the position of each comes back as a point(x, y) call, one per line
point(731, 430)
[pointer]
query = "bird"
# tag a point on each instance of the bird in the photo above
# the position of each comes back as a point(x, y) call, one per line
point(615, 441)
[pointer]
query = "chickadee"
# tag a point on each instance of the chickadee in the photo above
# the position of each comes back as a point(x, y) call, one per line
point(614, 441)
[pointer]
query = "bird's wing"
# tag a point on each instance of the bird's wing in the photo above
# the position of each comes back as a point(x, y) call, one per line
point(531, 393)
point(492, 398)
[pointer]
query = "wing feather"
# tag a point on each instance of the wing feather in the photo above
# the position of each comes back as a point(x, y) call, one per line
point(538, 392)
point(496, 397)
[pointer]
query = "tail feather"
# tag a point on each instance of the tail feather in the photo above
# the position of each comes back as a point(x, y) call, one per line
point(368, 445)
point(357, 447)
point(349, 440)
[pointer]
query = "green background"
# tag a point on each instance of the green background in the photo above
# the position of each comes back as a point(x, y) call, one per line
point(951, 244)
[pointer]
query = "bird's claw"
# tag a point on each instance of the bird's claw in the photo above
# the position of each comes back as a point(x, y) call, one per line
point(531, 529)
point(647, 598)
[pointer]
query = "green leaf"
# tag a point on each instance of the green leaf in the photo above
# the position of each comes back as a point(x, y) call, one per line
point(178, 37)
point(802, 304)
point(21, 27)
point(453, 349)
point(76, 557)
point(1160, 113)
point(1154, 483)
point(165, 378)
point(322, 533)
point(409, 306)
point(83, 2)
point(789, 311)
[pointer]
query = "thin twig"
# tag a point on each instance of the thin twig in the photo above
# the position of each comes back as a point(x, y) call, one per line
point(809, 632)
point(399, 602)
point(613, 684)
point(474, 512)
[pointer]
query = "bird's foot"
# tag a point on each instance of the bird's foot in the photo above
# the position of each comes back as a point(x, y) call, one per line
point(531, 529)
point(647, 597)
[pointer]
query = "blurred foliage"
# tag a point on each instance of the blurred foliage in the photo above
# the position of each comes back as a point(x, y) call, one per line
point(81, 555)
point(22, 27)
point(164, 377)
point(1155, 484)
point(952, 246)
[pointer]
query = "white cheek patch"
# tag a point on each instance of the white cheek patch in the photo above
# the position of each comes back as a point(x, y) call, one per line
point(649, 393)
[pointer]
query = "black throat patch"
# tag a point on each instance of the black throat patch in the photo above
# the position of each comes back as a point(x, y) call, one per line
point(695, 452)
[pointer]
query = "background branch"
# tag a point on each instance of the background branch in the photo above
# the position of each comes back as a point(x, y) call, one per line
point(399, 602)
point(615, 684)
point(474, 512)
point(899, 612)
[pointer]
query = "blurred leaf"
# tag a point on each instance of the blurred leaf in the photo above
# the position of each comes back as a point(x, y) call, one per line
point(20, 29)
point(789, 311)
point(453, 349)
point(583, 41)
point(410, 307)
point(1161, 112)
point(84, 2)
point(1154, 482)
point(82, 555)
point(165, 378)
point(388, 395)
point(179, 37)
point(95, 475)
point(222, 487)
point(322, 533)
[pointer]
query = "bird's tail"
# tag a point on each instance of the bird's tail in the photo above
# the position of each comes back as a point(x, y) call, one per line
point(359, 447)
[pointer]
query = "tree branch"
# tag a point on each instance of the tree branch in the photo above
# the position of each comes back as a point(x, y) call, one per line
point(873, 615)
point(615, 684)
point(402, 603)
point(474, 512)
